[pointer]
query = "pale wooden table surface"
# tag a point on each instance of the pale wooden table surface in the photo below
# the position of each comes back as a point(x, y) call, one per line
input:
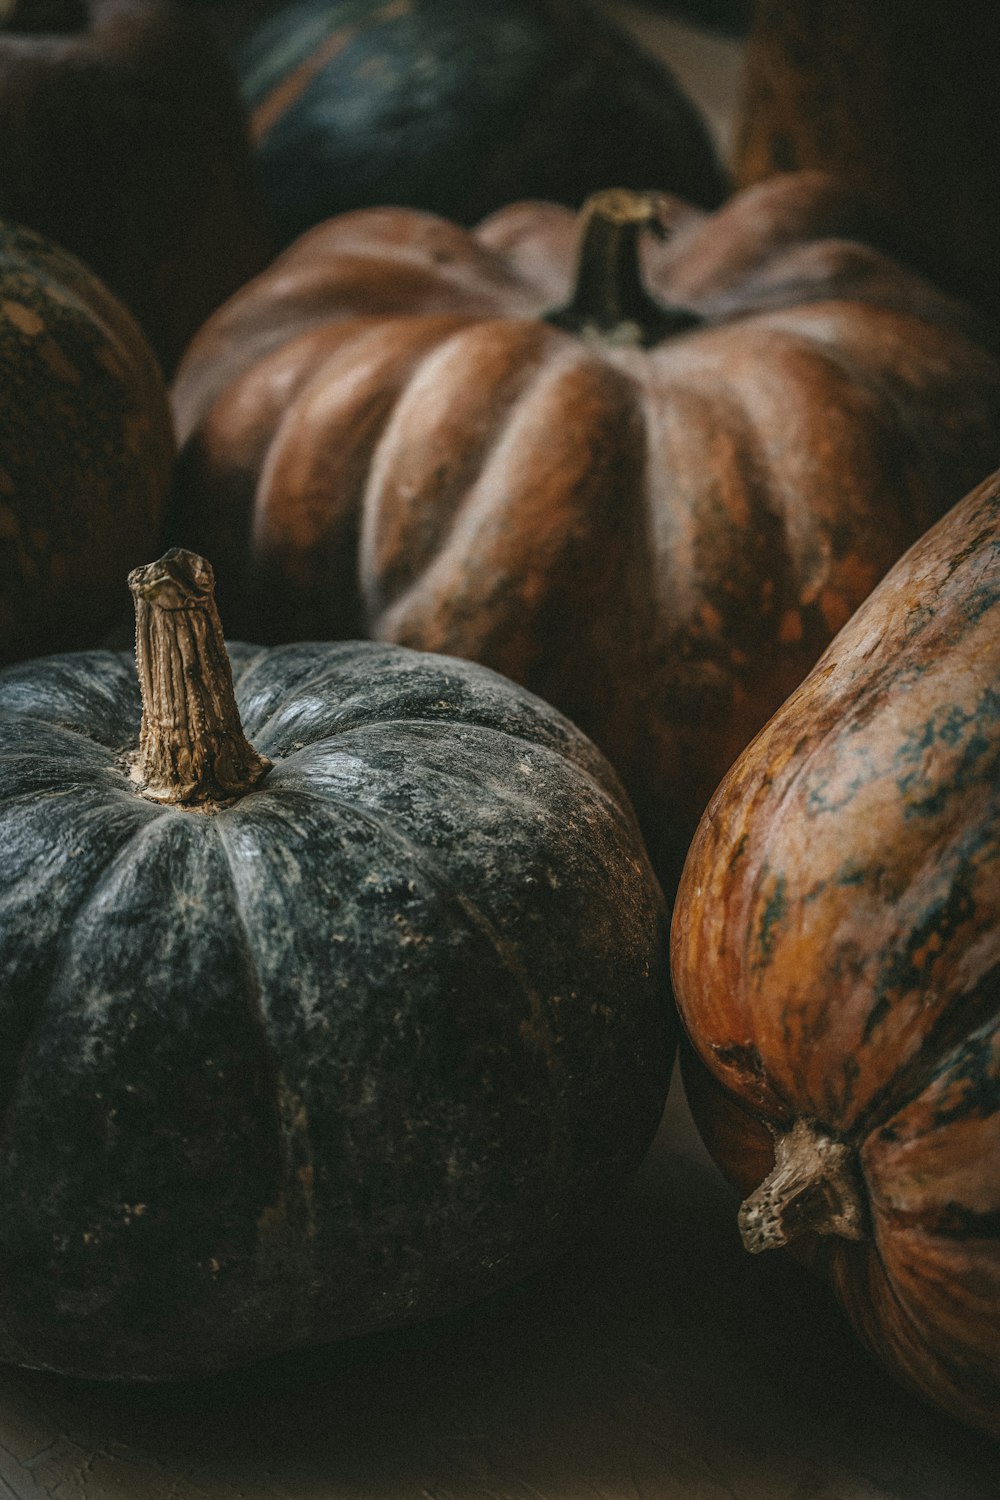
point(658, 1362)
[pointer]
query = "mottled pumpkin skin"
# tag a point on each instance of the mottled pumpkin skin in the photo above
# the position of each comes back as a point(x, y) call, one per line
point(459, 108)
point(836, 954)
point(371, 1042)
point(660, 540)
point(85, 450)
point(125, 141)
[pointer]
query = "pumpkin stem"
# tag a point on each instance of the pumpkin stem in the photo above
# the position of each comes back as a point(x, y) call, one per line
point(609, 300)
point(813, 1189)
point(43, 15)
point(192, 749)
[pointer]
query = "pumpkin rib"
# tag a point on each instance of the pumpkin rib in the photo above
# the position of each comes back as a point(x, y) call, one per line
point(930, 1372)
point(511, 386)
point(889, 382)
point(605, 793)
point(301, 428)
point(477, 920)
point(57, 958)
point(854, 374)
point(553, 532)
point(284, 301)
point(21, 691)
point(569, 745)
point(839, 723)
point(945, 1038)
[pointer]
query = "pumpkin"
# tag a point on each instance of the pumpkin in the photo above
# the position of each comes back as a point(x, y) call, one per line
point(893, 98)
point(85, 449)
point(652, 497)
point(458, 108)
point(313, 1036)
point(125, 141)
point(836, 959)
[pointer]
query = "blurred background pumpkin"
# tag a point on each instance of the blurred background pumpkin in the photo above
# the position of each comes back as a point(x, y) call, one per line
point(457, 108)
point(124, 140)
point(85, 449)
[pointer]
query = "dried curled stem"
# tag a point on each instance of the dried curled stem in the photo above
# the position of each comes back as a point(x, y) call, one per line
point(192, 749)
point(813, 1189)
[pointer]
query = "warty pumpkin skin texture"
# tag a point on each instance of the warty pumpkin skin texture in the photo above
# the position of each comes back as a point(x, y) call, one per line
point(367, 1024)
point(125, 140)
point(836, 960)
point(85, 449)
point(653, 498)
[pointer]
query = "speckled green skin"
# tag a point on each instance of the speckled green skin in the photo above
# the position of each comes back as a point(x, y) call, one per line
point(85, 449)
point(371, 1042)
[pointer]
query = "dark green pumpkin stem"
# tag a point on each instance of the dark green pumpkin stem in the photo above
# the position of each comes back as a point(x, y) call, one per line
point(609, 299)
point(43, 15)
point(813, 1189)
point(192, 749)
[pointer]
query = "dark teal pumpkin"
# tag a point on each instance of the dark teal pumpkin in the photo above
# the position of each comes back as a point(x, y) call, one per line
point(362, 1045)
point(460, 108)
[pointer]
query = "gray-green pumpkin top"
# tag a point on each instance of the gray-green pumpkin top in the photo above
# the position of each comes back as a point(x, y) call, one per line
point(361, 1030)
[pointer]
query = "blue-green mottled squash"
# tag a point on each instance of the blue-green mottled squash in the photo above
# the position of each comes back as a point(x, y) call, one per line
point(312, 1038)
point(836, 958)
point(460, 108)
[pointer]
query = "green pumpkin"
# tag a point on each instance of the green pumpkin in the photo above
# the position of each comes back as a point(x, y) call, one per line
point(364, 1026)
point(459, 108)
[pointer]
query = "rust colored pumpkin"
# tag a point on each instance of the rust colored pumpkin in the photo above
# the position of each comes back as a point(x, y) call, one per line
point(85, 450)
point(836, 958)
point(124, 139)
point(651, 497)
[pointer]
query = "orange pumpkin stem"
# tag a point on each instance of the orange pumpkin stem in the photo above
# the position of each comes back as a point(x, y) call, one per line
point(813, 1189)
point(192, 749)
point(609, 300)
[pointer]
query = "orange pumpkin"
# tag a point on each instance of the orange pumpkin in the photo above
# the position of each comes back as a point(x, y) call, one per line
point(836, 960)
point(652, 498)
point(85, 450)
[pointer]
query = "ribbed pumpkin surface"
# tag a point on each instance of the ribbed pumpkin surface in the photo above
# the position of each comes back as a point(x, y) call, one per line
point(836, 954)
point(371, 1042)
point(660, 540)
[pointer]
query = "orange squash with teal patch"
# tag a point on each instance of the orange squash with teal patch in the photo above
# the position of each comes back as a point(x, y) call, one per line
point(85, 449)
point(836, 960)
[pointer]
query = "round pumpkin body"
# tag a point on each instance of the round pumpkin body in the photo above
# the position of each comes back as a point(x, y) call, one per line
point(836, 959)
point(85, 449)
point(458, 108)
point(125, 141)
point(656, 525)
point(367, 1043)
